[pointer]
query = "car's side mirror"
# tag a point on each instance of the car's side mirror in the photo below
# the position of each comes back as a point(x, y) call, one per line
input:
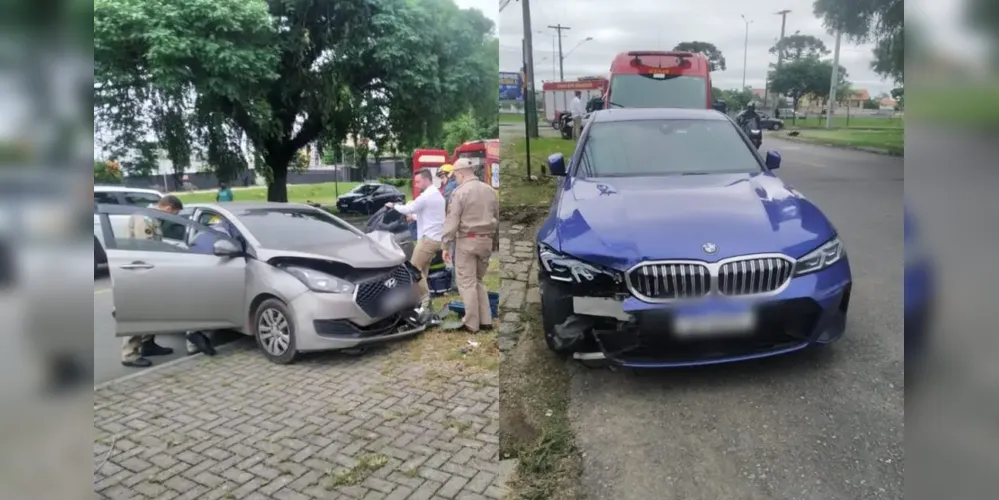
point(556, 164)
point(773, 160)
point(225, 248)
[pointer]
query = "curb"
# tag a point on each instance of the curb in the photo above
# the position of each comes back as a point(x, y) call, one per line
point(878, 151)
point(225, 348)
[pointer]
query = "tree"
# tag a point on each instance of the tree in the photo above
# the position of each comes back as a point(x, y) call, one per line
point(716, 61)
point(797, 47)
point(735, 98)
point(899, 95)
point(207, 73)
point(880, 21)
point(803, 77)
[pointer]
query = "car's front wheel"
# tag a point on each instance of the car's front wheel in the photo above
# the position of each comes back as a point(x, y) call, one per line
point(556, 307)
point(274, 330)
point(776, 126)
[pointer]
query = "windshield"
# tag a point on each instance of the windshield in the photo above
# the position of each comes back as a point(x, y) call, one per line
point(664, 147)
point(363, 189)
point(646, 91)
point(295, 228)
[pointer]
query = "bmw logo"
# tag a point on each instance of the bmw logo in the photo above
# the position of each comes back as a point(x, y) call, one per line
point(709, 248)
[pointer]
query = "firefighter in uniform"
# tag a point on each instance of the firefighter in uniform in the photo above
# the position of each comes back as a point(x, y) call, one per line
point(472, 229)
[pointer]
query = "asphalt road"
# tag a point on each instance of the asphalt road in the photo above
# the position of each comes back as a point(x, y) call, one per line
point(816, 426)
point(107, 347)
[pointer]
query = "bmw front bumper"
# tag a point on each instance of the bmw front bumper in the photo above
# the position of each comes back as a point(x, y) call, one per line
point(810, 311)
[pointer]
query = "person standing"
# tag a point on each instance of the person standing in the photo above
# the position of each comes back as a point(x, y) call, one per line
point(135, 349)
point(224, 193)
point(429, 208)
point(577, 109)
point(472, 226)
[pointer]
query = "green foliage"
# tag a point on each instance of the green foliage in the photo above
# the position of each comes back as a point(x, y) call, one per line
point(797, 47)
point(106, 172)
point(899, 95)
point(202, 76)
point(460, 130)
point(736, 99)
point(871, 104)
point(716, 60)
point(880, 21)
point(145, 162)
point(803, 77)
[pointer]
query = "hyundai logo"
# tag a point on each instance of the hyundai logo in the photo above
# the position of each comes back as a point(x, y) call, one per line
point(709, 248)
point(390, 283)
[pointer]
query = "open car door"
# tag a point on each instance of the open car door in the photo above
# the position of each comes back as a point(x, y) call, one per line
point(165, 287)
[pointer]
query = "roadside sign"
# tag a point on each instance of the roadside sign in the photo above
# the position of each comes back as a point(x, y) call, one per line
point(511, 87)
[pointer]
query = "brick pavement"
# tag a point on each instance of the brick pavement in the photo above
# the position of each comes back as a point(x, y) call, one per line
point(330, 426)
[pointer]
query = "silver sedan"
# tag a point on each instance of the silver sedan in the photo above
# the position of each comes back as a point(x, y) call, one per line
point(295, 277)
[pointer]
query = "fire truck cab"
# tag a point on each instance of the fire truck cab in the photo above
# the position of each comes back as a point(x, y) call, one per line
point(432, 159)
point(659, 79)
point(484, 154)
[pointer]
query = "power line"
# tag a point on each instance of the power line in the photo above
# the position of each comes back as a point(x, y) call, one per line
point(503, 4)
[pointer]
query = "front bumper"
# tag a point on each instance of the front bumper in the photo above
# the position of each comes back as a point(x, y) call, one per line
point(332, 322)
point(810, 311)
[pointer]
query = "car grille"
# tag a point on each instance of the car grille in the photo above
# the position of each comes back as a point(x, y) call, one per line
point(660, 281)
point(753, 276)
point(370, 293)
point(670, 281)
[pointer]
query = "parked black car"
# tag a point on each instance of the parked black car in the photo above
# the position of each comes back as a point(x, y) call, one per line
point(368, 198)
point(768, 122)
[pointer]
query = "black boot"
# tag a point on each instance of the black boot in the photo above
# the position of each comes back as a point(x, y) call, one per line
point(201, 341)
point(137, 363)
point(151, 348)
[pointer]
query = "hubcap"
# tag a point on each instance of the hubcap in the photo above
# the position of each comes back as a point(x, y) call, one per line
point(274, 332)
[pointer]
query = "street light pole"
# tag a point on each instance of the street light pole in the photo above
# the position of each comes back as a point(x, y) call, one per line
point(834, 81)
point(745, 51)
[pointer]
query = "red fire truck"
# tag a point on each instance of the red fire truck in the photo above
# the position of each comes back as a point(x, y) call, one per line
point(484, 154)
point(659, 79)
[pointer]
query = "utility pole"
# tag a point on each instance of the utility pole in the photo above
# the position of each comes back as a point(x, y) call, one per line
point(834, 80)
point(558, 29)
point(780, 53)
point(530, 104)
point(745, 52)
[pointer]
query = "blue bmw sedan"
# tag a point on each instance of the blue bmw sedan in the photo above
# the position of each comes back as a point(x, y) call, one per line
point(670, 242)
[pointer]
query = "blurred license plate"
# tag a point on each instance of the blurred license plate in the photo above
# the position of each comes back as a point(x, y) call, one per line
point(396, 301)
point(713, 324)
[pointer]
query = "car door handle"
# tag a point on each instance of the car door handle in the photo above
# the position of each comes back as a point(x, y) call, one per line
point(137, 265)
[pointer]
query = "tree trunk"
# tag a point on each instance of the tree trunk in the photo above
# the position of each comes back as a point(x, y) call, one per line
point(277, 190)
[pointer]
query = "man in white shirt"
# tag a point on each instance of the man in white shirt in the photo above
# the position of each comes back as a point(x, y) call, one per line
point(578, 110)
point(429, 210)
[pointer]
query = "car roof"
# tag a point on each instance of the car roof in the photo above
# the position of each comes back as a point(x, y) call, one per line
point(247, 205)
point(635, 114)
point(124, 189)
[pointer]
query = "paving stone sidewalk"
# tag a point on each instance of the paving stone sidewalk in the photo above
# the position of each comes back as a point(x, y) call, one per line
point(330, 426)
point(519, 281)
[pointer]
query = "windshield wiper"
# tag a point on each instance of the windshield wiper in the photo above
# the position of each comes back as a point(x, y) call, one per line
point(616, 105)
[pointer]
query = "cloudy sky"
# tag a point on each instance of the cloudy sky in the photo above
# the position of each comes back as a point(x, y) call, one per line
point(488, 7)
point(622, 25)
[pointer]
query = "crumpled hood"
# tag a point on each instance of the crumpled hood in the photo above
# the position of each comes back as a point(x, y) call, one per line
point(619, 222)
point(364, 253)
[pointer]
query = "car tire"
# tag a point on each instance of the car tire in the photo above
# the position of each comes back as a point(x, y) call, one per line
point(270, 313)
point(556, 307)
point(776, 126)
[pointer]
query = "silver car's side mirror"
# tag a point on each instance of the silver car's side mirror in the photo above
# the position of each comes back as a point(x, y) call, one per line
point(225, 248)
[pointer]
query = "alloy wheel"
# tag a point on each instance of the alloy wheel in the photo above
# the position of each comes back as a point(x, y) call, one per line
point(274, 332)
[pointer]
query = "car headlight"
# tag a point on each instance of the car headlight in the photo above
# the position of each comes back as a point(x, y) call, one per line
point(561, 267)
point(826, 255)
point(754, 131)
point(319, 282)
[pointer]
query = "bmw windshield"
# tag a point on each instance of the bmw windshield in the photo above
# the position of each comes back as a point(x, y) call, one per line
point(665, 147)
point(658, 91)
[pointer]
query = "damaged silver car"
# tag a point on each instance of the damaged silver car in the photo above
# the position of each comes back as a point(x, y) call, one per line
point(295, 277)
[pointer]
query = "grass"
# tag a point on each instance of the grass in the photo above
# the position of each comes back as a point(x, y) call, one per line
point(974, 104)
point(840, 120)
point(890, 140)
point(324, 193)
point(447, 354)
point(521, 194)
point(366, 465)
point(534, 419)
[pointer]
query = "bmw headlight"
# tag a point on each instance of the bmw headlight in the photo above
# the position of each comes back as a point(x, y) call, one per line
point(561, 267)
point(318, 281)
point(820, 258)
